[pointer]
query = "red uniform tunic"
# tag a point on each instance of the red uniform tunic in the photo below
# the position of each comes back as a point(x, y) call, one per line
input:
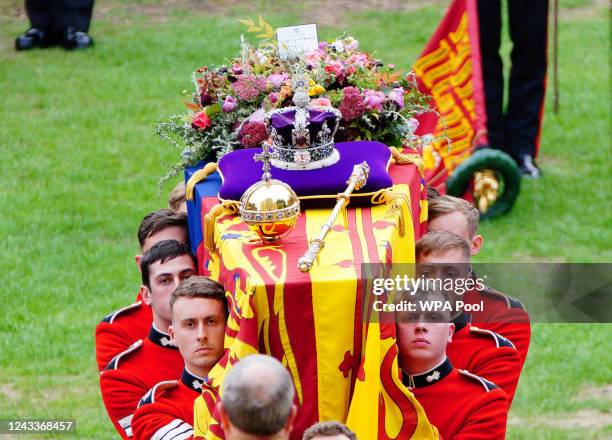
point(119, 330)
point(504, 315)
point(166, 411)
point(461, 405)
point(487, 354)
point(134, 372)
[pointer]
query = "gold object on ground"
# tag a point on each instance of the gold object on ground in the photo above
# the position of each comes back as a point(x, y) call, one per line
point(486, 189)
point(358, 179)
point(270, 207)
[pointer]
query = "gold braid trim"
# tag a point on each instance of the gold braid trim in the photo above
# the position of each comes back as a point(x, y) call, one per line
point(399, 203)
point(210, 220)
point(403, 158)
point(198, 177)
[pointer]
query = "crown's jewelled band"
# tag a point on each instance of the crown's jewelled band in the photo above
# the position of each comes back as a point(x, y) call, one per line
point(265, 217)
point(316, 153)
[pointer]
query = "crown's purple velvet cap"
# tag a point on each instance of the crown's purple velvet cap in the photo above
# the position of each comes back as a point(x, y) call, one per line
point(284, 123)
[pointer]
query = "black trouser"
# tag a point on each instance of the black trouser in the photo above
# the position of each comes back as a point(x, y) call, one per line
point(54, 15)
point(517, 131)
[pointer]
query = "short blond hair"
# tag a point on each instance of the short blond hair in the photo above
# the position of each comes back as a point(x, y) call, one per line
point(440, 241)
point(446, 204)
point(177, 196)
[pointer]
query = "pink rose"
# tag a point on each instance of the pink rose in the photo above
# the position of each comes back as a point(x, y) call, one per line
point(323, 102)
point(277, 79)
point(374, 99)
point(229, 104)
point(314, 57)
point(397, 95)
point(361, 59)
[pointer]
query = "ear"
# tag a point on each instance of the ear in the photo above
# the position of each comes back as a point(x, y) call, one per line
point(225, 422)
point(451, 332)
point(172, 336)
point(289, 425)
point(137, 259)
point(145, 294)
point(476, 244)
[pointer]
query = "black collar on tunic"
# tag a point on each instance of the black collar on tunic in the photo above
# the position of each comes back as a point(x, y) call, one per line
point(428, 378)
point(160, 338)
point(192, 381)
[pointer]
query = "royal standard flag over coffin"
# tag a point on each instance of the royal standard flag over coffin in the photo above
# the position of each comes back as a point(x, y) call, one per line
point(344, 365)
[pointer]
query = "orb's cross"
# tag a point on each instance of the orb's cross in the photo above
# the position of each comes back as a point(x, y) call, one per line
point(265, 156)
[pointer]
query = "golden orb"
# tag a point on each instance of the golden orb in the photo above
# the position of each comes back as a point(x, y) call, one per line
point(270, 208)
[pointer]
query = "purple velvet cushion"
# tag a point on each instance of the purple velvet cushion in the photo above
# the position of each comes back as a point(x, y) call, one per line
point(239, 171)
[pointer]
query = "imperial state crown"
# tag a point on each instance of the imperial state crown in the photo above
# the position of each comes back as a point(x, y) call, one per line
point(303, 135)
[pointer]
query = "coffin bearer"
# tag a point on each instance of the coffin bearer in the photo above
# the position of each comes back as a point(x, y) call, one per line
point(121, 328)
point(445, 255)
point(148, 361)
point(257, 400)
point(177, 200)
point(199, 313)
point(456, 215)
point(460, 404)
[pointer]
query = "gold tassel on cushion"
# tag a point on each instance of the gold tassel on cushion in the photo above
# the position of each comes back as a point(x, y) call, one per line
point(401, 203)
point(198, 177)
point(398, 203)
point(404, 158)
point(209, 223)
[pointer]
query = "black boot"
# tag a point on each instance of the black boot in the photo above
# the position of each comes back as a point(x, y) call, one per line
point(528, 167)
point(33, 38)
point(75, 39)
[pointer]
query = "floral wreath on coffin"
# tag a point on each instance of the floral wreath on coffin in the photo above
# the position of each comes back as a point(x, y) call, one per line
point(377, 101)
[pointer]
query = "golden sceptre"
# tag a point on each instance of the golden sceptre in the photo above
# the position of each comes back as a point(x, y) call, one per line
point(358, 179)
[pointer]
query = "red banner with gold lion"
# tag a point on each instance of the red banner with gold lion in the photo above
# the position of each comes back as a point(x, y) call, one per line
point(449, 70)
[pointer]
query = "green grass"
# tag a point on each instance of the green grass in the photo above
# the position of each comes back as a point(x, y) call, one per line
point(80, 165)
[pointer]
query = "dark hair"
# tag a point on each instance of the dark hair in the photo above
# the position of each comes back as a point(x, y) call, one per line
point(161, 252)
point(158, 221)
point(327, 429)
point(200, 287)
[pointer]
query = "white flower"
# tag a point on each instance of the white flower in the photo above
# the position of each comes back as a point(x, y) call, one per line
point(351, 44)
point(338, 46)
point(261, 56)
